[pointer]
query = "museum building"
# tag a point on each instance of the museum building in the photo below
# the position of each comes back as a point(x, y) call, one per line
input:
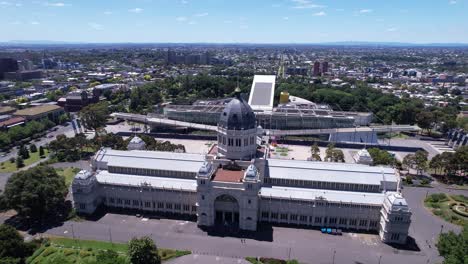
point(236, 184)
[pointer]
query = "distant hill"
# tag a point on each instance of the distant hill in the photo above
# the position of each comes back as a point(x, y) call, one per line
point(25, 43)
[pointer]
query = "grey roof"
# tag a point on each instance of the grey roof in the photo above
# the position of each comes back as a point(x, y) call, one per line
point(397, 202)
point(157, 160)
point(237, 115)
point(330, 172)
point(105, 177)
point(318, 194)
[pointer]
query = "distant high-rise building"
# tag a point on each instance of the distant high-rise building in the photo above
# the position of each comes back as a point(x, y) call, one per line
point(324, 67)
point(25, 65)
point(320, 68)
point(7, 65)
point(316, 70)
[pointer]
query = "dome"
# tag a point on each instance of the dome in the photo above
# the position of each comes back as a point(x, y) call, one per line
point(237, 115)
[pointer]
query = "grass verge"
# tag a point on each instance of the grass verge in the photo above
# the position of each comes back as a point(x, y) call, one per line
point(8, 166)
point(67, 173)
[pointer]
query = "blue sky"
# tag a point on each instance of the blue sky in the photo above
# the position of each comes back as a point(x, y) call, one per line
point(254, 21)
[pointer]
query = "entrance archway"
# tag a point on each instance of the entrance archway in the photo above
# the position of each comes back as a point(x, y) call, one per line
point(226, 210)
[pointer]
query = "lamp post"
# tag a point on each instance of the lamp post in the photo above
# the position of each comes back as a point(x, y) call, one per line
point(333, 259)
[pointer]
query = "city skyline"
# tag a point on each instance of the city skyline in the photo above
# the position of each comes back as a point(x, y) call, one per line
point(287, 21)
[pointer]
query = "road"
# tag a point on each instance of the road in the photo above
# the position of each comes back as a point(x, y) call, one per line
point(309, 246)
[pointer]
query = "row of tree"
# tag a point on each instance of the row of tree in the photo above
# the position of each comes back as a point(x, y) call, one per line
point(451, 163)
point(332, 154)
point(29, 130)
point(416, 161)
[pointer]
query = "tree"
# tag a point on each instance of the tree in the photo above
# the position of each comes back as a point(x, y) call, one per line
point(381, 157)
point(425, 120)
point(420, 160)
point(337, 155)
point(143, 251)
point(41, 151)
point(329, 152)
point(453, 247)
point(12, 245)
point(315, 152)
point(19, 162)
point(94, 116)
point(408, 161)
point(36, 193)
point(33, 148)
point(23, 152)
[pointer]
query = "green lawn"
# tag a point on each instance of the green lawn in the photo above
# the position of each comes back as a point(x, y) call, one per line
point(68, 174)
point(440, 205)
point(8, 166)
point(66, 250)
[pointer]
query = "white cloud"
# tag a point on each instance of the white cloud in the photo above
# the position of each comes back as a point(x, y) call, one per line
point(136, 10)
point(184, 2)
point(107, 12)
point(35, 23)
point(453, 2)
point(96, 26)
point(55, 4)
point(392, 29)
point(321, 13)
point(201, 14)
point(5, 4)
point(305, 4)
point(181, 19)
point(364, 11)
point(285, 18)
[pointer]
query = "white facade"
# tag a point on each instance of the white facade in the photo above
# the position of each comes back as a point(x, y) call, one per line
point(237, 144)
point(136, 143)
point(363, 157)
point(237, 186)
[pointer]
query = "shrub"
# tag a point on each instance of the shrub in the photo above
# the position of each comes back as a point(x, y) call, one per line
point(36, 254)
point(49, 251)
point(460, 198)
point(437, 198)
point(438, 212)
point(425, 182)
point(84, 253)
point(68, 251)
point(409, 180)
